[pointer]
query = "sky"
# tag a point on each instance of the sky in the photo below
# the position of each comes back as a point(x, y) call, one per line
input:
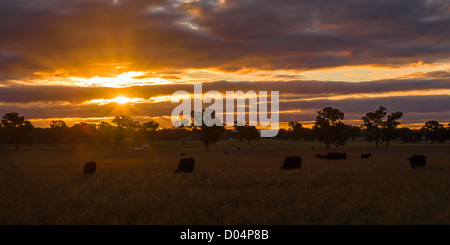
point(90, 60)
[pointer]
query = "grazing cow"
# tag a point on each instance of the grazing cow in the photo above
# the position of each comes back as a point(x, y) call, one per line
point(183, 154)
point(271, 150)
point(312, 148)
point(89, 168)
point(186, 165)
point(365, 156)
point(238, 148)
point(417, 161)
point(336, 156)
point(292, 162)
point(226, 152)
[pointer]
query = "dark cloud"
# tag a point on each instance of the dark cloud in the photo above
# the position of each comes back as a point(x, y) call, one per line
point(288, 90)
point(416, 110)
point(51, 102)
point(74, 34)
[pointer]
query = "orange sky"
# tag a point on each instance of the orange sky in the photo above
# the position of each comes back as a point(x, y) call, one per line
point(80, 60)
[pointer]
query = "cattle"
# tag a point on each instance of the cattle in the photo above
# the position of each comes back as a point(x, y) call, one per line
point(417, 161)
point(292, 162)
point(271, 150)
point(336, 156)
point(183, 154)
point(138, 148)
point(312, 148)
point(226, 152)
point(332, 156)
point(238, 148)
point(186, 165)
point(89, 168)
point(365, 156)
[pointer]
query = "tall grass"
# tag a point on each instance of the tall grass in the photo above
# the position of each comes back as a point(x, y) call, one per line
point(45, 185)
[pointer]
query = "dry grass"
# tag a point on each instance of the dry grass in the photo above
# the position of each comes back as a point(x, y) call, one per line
point(45, 185)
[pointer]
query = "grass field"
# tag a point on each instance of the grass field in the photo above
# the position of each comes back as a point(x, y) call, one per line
point(45, 185)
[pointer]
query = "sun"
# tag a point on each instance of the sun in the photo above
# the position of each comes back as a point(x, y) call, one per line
point(122, 100)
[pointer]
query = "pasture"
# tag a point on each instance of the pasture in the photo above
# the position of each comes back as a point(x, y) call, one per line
point(45, 185)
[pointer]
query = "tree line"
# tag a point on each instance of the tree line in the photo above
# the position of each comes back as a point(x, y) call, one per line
point(377, 126)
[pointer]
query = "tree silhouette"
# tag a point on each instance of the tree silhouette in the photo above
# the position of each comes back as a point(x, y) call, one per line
point(246, 132)
point(149, 128)
point(83, 132)
point(389, 127)
point(124, 127)
point(17, 129)
point(373, 121)
point(208, 134)
point(58, 130)
point(353, 131)
point(434, 131)
point(328, 126)
point(340, 134)
point(295, 130)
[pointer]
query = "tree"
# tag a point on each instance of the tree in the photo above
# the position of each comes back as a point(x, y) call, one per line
point(149, 128)
point(328, 125)
point(17, 129)
point(58, 131)
point(353, 131)
point(373, 121)
point(209, 134)
point(246, 132)
point(1, 134)
point(124, 128)
point(105, 131)
point(83, 132)
point(434, 131)
point(340, 134)
point(295, 130)
point(283, 134)
point(389, 127)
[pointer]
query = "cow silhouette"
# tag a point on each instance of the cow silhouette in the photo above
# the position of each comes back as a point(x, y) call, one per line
point(292, 162)
point(417, 161)
point(365, 156)
point(186, 165)
point(336, 156)
point(89, 168)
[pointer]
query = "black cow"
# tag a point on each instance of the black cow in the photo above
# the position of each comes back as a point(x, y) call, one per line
point(238, 148)
point(186, 165)
point(226, 152)
point(183, 154)
point(365, 156)
point(336, 156)
point(417, 161)
point(293, 162)
point(89, 168)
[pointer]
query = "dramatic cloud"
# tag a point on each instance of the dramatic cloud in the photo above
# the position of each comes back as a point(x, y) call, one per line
point(56, 56)
point(86, 37)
